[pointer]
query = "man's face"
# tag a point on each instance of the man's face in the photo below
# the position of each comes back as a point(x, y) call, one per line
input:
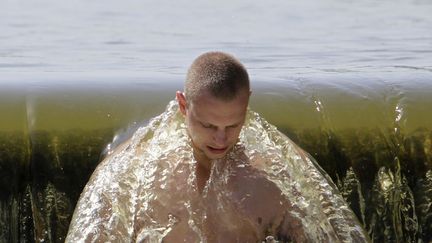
point(213, 124)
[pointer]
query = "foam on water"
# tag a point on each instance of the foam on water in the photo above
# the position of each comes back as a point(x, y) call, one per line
point(265, 188)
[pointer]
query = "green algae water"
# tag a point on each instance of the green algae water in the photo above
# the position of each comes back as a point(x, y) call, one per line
point(348, 81)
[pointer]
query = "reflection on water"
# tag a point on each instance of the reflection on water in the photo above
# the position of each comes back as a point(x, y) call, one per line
point(273, 38)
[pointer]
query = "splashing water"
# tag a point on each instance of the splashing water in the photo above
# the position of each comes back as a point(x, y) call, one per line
point(265, 189)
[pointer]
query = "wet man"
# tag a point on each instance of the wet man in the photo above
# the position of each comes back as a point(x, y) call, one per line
point(210, 170)
point(214, 104)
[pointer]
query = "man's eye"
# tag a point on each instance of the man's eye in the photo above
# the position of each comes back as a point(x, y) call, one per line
point(206, 125)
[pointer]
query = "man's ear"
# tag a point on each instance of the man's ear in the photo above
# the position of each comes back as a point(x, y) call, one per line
point(181, 99)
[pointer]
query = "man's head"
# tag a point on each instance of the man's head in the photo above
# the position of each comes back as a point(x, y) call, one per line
point(214, 103)
point(219, 73)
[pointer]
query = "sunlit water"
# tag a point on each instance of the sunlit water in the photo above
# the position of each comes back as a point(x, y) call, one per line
point(266, 187)
point(274, 39)
point(350, 81)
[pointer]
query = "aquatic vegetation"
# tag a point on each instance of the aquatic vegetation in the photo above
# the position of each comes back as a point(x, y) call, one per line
point(387, 179)
point(42, 175)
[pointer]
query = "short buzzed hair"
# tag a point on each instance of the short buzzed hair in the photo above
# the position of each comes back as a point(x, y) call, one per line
point(217, 72)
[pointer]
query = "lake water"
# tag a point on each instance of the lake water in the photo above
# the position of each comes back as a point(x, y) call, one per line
point(350, 81)
point(103, 48)
point(274, 39)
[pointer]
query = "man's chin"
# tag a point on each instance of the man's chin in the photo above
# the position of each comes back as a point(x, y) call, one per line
point(219, 156)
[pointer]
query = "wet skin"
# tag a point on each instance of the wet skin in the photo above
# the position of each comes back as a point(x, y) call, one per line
point(213, 125)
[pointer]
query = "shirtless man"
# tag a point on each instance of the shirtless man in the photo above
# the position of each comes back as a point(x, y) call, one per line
point(198, 173)
point(214, 104)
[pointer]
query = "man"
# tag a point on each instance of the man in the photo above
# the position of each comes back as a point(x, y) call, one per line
point(198, 173)
point(217, 90)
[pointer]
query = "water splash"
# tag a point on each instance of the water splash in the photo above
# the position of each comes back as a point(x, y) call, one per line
point(265, 188)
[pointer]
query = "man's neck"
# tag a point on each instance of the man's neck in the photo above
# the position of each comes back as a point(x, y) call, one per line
point(202, 160)
point(203, 168)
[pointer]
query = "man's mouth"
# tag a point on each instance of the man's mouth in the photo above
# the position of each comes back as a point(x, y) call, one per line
point(217, 150)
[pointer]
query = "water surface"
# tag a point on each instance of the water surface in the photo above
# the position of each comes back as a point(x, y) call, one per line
point(350, 81)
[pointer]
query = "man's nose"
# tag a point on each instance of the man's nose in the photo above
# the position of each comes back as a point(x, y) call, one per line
point(220, 137)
